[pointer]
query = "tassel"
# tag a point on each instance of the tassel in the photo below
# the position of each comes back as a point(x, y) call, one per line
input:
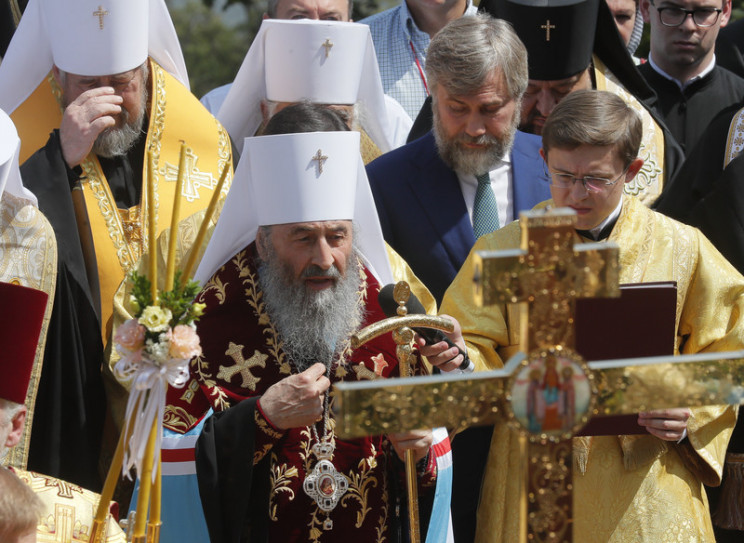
point(730, 511)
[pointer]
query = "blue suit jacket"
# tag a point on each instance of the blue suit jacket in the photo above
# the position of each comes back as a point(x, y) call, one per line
point(422, 211)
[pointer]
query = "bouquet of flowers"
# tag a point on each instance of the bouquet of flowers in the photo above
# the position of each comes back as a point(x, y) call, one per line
point(155, 347)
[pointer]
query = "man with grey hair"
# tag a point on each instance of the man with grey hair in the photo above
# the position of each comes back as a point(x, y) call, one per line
point(474, 171)
point(93, 91)
point(330, 62)
point(471, 174)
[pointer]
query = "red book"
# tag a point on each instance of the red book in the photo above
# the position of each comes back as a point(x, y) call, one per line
point(640, 323)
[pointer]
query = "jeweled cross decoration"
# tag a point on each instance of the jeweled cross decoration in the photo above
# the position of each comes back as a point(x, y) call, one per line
point(328, 44)
point(324, 484)
point(101, 13)
point(547, 27)
point(320, 158)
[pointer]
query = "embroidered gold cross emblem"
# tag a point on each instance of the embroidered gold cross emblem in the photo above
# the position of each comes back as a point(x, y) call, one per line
point(193, 179)
point(547, 27)
point(320, 158)
point(242, 366)
point(328, 44)
point(101, 13)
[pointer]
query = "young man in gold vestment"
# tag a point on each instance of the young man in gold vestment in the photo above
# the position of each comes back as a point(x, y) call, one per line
point(645, 488)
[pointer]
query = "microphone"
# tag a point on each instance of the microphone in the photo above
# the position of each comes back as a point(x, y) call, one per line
point(431, 335)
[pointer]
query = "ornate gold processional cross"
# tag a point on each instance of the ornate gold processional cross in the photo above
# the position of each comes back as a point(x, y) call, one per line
point(548, 273)
point(101, 13)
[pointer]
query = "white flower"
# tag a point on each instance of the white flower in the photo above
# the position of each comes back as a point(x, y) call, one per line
point(155, 318)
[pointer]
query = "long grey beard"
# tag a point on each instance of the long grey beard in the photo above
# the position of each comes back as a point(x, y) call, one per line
point(473, 161)
point(313, 325)
point(118, 140)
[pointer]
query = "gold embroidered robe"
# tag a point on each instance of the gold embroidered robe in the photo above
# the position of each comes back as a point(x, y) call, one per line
point(28, 257)
point(120, 235)
point(242, 357)
point(649, 182)
point(188, 229)
point(634, 489)
point(68, 511)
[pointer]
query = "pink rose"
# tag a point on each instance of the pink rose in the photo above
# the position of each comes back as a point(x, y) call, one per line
point(130, 335)
point(184, 343)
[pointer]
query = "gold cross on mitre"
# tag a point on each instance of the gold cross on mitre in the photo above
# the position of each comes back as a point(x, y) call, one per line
point(328, 45)
point(548, 272)
point(547, 27)
point(100, 13)
point(320, 158)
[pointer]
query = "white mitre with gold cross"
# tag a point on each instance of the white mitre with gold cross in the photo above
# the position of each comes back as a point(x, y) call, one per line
point(323, 62)
point(290, 178)
point(87, 37)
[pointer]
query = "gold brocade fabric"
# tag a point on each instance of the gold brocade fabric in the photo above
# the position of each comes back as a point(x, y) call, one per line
point(68, 511)
point(28, 257)
point(635, 489)
point(119, 236)
point(367, 147)
point(735, 139)
point(649, 182)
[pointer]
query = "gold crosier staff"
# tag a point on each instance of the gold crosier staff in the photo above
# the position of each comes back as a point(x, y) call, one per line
point(147, 530)
point(401, 327)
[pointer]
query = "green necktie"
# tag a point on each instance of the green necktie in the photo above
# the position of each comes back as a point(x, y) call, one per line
point(485, 210)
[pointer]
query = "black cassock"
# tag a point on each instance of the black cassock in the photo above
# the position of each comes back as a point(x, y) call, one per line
point(705, 195)
point(687, 112)
point(71, 403)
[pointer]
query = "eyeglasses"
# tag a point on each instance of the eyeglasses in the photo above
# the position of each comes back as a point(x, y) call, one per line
point(673, 16)
point(564, 180)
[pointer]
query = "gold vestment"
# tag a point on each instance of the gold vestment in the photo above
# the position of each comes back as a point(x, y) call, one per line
point(68, 511)
point(28, 257)
point(633, 488)
point(649, 182)
point(120, 235)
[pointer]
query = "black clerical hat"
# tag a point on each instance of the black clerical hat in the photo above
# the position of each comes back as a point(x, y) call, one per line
point(558, 34)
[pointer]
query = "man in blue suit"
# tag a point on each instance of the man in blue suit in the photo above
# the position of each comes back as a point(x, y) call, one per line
point(471, 174)
point(474, 171)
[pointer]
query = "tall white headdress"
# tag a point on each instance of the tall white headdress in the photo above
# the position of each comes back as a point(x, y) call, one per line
point(10, 175)
point(324, 62)
point(87, 37)
point(289, 178)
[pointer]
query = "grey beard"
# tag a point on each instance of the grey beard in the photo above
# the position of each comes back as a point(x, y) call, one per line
point(117, 141)
point(313, 325)
point(473, 161)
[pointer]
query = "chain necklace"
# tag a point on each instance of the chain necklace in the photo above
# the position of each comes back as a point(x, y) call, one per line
point(324, 484)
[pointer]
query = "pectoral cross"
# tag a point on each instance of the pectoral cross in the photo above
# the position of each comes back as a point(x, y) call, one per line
point(547, 272)
point(547, 27)
point(101, 13)
point(328, 44)
point(320, 158)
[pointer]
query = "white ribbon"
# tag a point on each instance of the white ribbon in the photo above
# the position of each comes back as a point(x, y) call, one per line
point(151, 380)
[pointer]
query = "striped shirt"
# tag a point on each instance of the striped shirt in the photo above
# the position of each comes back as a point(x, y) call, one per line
point(401, 54)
